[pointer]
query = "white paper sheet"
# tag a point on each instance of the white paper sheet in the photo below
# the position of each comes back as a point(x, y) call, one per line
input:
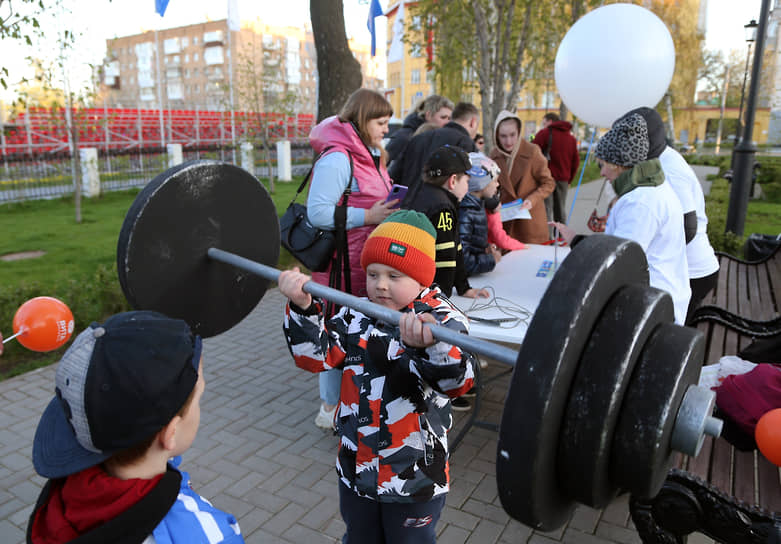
point(513, 210)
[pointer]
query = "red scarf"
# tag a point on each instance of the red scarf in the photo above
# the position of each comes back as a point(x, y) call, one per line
point(83, 501)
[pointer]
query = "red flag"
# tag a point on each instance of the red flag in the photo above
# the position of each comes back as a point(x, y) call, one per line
point(429, 45)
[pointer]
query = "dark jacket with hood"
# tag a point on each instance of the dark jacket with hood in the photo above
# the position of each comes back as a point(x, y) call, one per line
point(398, 142)
point(409, 167)
point(563, 152)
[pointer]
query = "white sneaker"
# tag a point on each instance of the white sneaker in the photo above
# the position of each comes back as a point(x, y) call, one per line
point(483, 362)
point(325, 418)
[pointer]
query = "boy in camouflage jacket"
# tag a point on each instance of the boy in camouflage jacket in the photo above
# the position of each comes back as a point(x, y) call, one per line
point(394, 411)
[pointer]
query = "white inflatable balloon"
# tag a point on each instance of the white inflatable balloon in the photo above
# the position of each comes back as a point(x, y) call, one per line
point(614, 59)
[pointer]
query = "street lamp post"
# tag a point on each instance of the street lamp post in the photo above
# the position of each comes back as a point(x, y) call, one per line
point(751, 36)
point(745, 149)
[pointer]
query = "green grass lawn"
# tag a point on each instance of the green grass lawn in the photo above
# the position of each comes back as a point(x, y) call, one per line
point(79, 261)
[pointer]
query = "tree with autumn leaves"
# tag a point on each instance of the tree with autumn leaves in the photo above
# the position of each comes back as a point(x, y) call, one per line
point(501, 47)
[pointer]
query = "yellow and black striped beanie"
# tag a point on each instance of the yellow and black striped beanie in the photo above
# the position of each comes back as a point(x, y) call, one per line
point(404, 241)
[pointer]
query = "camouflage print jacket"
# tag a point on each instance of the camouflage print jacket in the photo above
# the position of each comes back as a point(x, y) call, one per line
point(394, 411)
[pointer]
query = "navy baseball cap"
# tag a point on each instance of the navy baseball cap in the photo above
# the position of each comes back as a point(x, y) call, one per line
point(448, 160)
point(118, 384)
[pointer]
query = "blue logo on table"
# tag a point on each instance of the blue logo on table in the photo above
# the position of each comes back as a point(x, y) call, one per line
point(546, 269)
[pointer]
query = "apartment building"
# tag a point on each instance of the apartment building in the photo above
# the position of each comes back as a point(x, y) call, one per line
point(189, 67)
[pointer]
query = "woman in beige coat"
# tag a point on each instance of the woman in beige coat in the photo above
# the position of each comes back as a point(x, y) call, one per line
point(524, 175)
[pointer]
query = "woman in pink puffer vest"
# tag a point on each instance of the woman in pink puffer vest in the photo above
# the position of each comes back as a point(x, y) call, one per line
point(356, 133)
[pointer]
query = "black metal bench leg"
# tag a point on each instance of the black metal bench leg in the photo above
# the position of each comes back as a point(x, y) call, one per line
point(686, 504)
point(650, 532)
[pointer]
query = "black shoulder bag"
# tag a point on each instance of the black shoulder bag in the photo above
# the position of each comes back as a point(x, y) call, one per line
point(312, 246)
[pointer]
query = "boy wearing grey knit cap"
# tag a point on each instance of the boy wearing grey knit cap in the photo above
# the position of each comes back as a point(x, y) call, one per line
point(479, 255)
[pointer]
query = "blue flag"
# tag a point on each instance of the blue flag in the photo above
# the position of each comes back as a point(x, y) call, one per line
point(160, 6)
point(375, 10)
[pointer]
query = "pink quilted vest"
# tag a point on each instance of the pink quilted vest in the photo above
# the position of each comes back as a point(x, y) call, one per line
point(373, 184)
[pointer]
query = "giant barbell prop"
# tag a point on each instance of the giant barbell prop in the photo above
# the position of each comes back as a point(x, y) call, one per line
point(602, 388)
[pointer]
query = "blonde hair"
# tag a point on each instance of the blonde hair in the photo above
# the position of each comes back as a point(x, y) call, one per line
point(432, 104)
point(361, 107)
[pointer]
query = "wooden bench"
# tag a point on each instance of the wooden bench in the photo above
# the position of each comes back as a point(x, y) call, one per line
point(750, 289)
point(730, 495)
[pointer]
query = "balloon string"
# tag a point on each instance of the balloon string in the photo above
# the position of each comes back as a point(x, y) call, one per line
point(21, 331)
point(582, 170)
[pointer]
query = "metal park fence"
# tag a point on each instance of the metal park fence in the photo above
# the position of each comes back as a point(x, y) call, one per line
point(128, 147)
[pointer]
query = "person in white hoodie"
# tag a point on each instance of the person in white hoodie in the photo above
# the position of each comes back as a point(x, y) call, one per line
point(647, 210)
point(702, 261)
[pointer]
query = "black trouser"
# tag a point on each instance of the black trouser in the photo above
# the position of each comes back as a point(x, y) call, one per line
point(556, 203)
point(374, 522)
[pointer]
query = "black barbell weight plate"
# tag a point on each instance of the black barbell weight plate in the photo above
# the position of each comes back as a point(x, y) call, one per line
point(528, 443)
point(598, 391)
point(161, 251)
point(669, 363)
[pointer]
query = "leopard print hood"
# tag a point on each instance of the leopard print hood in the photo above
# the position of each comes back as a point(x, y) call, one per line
point(626, 144)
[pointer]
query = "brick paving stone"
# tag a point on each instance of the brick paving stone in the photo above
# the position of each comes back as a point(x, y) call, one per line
point(10, 533)
point(698, 538)
point(22, 516)
point(319, 515)
point(556, 534)
point(486, 532)
point(259, 536)
point(262, 499)
point(541, 539)
point(251, 521)
point(486, 490)
point(617, 512)
point(585, 519)
point(15, 461)
point(335, 528)
point(486, 511)
point(616, 533)
point(240, 508)
point(284, 519)
point(303, 497)
point(9, 508)
point(515, 532)
point(573, 536)
point(303, 534)
point(453, 535)
point(458, 518)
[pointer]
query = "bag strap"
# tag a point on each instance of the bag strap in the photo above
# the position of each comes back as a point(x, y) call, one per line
point(550, 144)
point(340, 266)
point(308, 175)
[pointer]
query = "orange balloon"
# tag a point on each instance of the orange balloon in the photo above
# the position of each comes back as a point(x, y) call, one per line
point(46, 323)
point(768, 435)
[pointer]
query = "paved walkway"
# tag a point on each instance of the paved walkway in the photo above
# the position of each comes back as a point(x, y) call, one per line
point(259, 456)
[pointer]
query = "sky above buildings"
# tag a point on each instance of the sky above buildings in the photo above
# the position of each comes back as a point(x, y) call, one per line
point(98, 20)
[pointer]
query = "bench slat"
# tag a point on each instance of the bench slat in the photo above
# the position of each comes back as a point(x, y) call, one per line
point(755, 307)
point(731, 292)
point(721, 465)
point(743, 477)
point(699, 465)
point(773, 270)
point(769, 484)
